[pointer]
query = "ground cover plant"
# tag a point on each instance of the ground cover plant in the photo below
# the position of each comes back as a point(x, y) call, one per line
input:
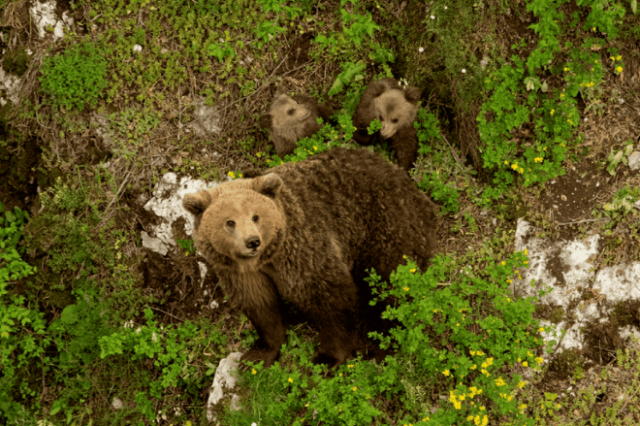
point(517, 95)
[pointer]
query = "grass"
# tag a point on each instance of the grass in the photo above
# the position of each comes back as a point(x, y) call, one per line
point(88, 317)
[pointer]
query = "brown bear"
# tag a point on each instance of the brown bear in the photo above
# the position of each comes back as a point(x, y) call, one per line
point(291, 119)
point(307, 233)
point(396, 109)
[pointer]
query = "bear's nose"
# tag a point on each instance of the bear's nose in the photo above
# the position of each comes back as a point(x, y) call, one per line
point(253, 242)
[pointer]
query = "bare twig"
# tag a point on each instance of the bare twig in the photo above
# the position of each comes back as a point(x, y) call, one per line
point(585, 220)
point(455, 156)
point(167, 313)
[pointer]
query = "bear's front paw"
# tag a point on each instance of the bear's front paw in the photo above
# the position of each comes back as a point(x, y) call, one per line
point(257, 355)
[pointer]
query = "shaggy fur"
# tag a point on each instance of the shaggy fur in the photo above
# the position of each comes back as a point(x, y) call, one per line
point(320, 223)
point(396, 109)
point(291, 119)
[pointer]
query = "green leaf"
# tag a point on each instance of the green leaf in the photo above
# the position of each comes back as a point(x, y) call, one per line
point(70, 315)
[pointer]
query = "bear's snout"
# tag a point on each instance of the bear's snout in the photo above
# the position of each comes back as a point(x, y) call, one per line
point(253, 242)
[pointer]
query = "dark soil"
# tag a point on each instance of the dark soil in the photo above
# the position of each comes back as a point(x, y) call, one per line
point(572, 197)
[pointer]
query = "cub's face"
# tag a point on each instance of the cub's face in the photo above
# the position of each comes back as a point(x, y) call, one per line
point(286, 112)
point(239, 220)
point(396, 109)
point(285, 115)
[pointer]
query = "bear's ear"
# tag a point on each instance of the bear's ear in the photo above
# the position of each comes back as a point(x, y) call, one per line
point(196, 203)
point(412, 94)
point(268, 185)
point(265, 121)
point(377, 88)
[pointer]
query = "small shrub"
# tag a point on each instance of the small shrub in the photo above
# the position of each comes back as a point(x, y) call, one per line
point(74, 78)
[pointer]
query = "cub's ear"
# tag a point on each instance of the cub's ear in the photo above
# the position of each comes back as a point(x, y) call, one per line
point(265, 121)
point(412, 94)
point(196, 203)
point(377, 88)
point(268, 185)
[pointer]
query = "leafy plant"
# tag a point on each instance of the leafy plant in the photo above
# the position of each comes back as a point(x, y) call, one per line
point(621, 156)
point(461, 330)
point(350, 72)
point(75, 77)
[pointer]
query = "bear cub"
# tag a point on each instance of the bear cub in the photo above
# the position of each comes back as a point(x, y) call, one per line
point(307, 233)
point(396, 108)
point(291, 119)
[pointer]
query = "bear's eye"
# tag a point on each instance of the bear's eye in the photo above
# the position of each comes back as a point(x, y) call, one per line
point(255, 218)
point(231, 223)
point(291, 111)
point(394, 121)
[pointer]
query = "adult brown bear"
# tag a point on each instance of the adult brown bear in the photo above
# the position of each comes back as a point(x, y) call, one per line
point(302, 233)
point(396, 108)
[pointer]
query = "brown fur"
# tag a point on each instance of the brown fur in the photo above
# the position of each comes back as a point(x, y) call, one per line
point(321, 223)
point(396, 109)
point(291, 119)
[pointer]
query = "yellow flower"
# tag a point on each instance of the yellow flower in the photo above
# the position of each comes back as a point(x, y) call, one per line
point(596, 61)
point(315, 148)
point(552, 111)
point(514, 166)
point(445, 372)
point(619, 69)
point(231, 175)
point(508, 299)
point(539, 360)
point(570, 122)
point(480, 353)
point(541, 329)
point(503, 263)
point(435, 311)
point(521, 170)
point(350, 366)
point(405, 288)
point(562, 95)
point(253, 371)
point(594, 29)
point(290, 380)
point(413, 271)
point(566, 69)
point(354, 388)
point(506, 162)
point(521, 384)
point(489, 361)
point(525, 364)
point(619, 57)
point(499, 381)
point(472, 352)
point(473, 367)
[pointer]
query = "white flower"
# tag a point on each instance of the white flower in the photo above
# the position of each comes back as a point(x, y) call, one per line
point(433, 17)
point(464, 70)
point(445, 8)
point(421, 49)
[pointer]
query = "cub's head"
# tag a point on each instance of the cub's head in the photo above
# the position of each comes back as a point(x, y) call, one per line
point(239, 220)
point(396, 108)
point(285, 114)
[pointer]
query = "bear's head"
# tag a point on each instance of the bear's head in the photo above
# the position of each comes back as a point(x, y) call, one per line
point(286, 116)
point(238, 222)
point(396, 108)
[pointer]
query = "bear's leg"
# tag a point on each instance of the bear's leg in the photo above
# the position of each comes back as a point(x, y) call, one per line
point(335, 342)
point(263, 310)
point(333, 312)
point(405, 143)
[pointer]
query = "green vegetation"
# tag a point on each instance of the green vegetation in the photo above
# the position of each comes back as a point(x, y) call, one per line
point(75, 77)
point(85, 319)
